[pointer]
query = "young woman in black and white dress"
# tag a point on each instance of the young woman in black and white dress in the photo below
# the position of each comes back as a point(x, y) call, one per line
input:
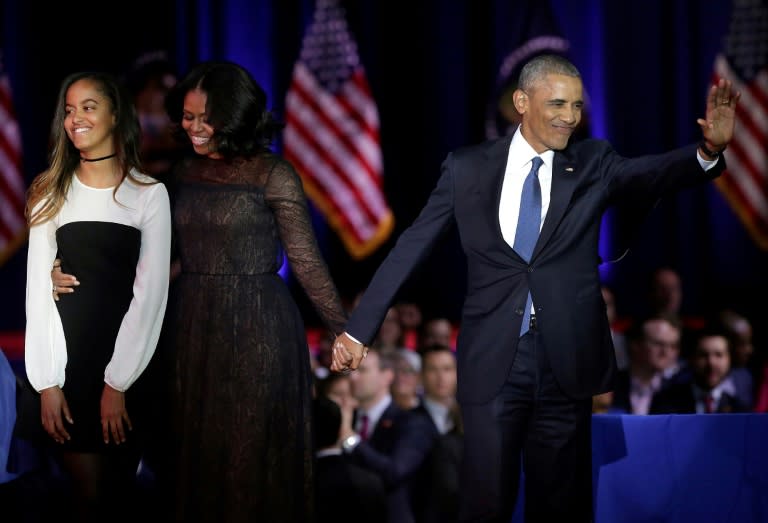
point(110, 224)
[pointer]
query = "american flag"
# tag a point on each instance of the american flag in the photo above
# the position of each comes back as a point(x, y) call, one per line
point(13, 227)
point(332, 133)
point(744, 61)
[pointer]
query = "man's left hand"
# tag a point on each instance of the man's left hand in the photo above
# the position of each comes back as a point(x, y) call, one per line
point(720, 120)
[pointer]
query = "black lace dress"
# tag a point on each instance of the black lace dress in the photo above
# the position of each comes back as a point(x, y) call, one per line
point(243, 377)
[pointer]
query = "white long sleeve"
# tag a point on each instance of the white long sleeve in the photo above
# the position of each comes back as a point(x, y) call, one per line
point(140, 330)
point(144, 207)
point(45, 351)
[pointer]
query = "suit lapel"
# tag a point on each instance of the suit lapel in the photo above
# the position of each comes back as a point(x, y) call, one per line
point(564, 177)
point(383, 432)
point(497, 160)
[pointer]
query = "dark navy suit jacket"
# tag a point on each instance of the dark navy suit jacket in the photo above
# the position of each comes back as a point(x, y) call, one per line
point(348, 493)
point(562, 275)
point(395, 450)
point(435, 492)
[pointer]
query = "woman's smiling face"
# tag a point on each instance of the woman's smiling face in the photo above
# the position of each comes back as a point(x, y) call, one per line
point(195, 124)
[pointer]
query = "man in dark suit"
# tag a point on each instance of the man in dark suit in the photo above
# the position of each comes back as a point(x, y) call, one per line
point(535, 344)
point(436, 485)
point(708, 387)
point(338, 481)
point(384, 438)
point(654, 345)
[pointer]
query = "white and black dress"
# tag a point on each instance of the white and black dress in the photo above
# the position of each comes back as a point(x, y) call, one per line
point(118, 247)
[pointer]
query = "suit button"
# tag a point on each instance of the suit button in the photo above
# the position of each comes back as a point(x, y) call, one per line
point(519, 311)
point(530, 269)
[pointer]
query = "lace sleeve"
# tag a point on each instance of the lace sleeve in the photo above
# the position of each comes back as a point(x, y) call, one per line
point(285, 195)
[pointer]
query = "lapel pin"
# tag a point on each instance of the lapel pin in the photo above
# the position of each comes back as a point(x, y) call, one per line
point(569, 169)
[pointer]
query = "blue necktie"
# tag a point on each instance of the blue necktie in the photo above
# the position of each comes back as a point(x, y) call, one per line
point(528, 223)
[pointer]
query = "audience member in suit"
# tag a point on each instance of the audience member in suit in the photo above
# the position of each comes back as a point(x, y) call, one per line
point(410, 321)
point(390, 336)
point(665, 292)
point(406, 387)
point(436, 330)
point(654, 345)
point(338, 481)
point(436, 488)
point(384, 438)
point(665, 297)
point(709, 390)
point(743, 369)
point(738, 331)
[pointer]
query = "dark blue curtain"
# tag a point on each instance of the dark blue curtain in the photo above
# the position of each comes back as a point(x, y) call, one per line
point(432, 66)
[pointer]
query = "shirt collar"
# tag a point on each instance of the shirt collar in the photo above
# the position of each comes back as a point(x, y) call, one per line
point(439, 414)
point(521, 152)
point(652, 386)
point(724, 387)
point(434, 406)
point(375, 412)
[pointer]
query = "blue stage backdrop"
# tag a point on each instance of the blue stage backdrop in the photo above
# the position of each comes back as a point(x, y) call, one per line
point(434, 67)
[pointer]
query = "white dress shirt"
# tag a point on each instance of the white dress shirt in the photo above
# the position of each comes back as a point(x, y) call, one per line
point(519, 161)
point(518, 167)
point(641, 394)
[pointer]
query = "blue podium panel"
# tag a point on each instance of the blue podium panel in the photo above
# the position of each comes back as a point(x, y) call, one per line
point(697, 468)
point(680, 468)
point(7, 415)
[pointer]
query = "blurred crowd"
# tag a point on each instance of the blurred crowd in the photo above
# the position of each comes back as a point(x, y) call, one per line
point(402, 401)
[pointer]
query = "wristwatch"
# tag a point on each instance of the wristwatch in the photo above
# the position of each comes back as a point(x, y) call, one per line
point(349, 443)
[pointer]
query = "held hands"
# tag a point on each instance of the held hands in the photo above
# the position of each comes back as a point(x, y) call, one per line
point(62, 283)
point(720, 119)
point(53, 405)
point(347, 354)
point(113, 414)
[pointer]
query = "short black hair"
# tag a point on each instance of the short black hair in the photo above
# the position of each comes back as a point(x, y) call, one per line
point(435, 347)
point(636, 331)
point(539, 67)
point(710, 330)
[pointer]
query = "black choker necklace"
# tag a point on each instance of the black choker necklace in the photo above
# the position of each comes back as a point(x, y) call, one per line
point(98, 159)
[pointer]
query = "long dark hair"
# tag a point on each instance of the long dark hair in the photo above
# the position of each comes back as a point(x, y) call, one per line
point(53, 184)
